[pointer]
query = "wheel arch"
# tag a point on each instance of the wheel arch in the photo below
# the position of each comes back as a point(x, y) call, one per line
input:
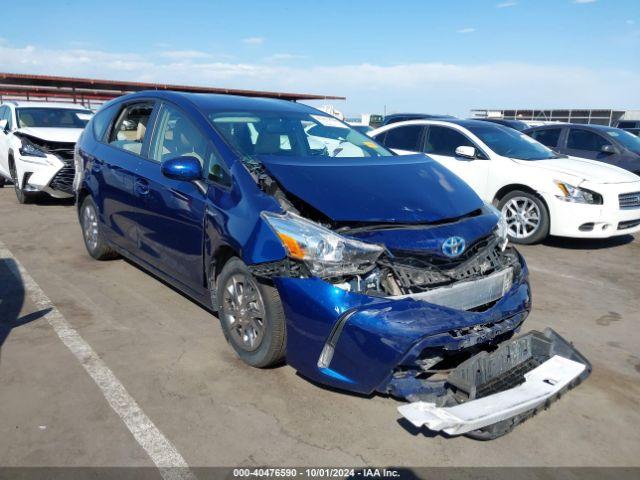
point(518, 186)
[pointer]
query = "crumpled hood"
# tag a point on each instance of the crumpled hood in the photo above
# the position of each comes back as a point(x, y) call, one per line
point(590, 170)
point(68, 135)
point(396, 189)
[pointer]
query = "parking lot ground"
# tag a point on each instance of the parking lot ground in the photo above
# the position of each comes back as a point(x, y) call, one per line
point(171, 357)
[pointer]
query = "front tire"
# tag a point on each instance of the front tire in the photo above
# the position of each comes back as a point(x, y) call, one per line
point(526, 215)
point(92, 234)
point(22, 196)
point(3, 181)
point(251, 315)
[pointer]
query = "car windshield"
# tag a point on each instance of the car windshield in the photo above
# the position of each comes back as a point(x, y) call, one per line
point(254, 134)
point(52, 117)
point(508, 142)
point(628, 139)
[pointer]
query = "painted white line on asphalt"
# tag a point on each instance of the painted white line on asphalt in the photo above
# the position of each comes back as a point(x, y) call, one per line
point(162, 452)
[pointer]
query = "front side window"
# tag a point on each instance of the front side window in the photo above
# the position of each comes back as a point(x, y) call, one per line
point(444, 141)
point(178, 136)
point(303, 135)
point(404, 138)
point(130, 128)
point(628, 139)
point(548, 136)
point(508, 142)
point(52, 117)
point(585, 140)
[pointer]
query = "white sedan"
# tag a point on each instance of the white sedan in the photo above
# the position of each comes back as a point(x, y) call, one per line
point(538, 191)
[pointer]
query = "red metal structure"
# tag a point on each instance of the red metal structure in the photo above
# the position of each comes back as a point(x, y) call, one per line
point(91, 92)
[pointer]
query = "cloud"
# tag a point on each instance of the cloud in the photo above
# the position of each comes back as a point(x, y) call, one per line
point(253, 41)
point(185, 54)
point(584, 1)
point(466, 30)
point(276, 57)
point(506, 4)
point(434, 86)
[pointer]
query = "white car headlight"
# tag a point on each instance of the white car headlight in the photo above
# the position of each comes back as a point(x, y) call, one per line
point(570, 193)
point(501, 230)
point(28, 149)
point(324, 252)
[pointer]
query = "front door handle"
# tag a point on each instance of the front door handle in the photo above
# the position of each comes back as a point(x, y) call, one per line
point(142, 187)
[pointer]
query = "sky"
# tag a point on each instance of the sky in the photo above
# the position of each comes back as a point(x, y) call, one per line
point(429, 56)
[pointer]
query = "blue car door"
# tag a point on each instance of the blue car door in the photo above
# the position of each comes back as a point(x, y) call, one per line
point(172, 213)
point(115, 163)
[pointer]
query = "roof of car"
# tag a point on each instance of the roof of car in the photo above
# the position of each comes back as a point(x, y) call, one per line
point(584, 126)
point(222, 102)
point(22, 104)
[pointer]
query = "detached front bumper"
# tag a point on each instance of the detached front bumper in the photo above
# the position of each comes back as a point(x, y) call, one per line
point(477, 399)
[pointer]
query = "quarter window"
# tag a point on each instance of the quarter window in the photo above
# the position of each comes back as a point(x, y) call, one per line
point(101, 121)
point(130, 129)
point(548, 136)
point(444, 141)
point(585, 140)
point(404, 138)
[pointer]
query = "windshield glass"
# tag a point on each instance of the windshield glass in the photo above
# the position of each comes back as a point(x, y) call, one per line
point(52, 117)
point(628, 139)
point(508, 142)
point(253, 134)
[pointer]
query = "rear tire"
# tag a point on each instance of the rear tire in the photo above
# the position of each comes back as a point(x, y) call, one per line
point(527, 217)
point(251, 315)
point(92, 234)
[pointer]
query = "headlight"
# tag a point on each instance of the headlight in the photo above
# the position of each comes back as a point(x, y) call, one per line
point(569, 193)
point(28, 149)
point(501, 230)
point(323, 251)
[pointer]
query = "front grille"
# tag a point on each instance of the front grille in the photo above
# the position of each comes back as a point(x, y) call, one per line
point(629, 200)
point(628, 224)
point(63, 180)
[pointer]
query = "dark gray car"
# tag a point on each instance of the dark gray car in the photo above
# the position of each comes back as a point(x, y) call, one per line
point(596, 142)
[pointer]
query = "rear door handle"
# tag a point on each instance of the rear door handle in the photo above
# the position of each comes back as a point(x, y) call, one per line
point(142, 187)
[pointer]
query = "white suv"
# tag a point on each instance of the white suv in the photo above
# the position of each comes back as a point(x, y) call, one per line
point(36, 146)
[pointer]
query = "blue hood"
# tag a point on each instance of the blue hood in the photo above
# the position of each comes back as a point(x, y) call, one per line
point(397, 189)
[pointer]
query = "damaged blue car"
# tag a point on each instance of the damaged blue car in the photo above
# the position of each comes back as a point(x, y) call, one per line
point(363, 270)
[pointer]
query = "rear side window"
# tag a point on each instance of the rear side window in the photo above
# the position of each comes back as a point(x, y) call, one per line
point(548, 136)
point(444, 141)
point(404, 138)
point(585, 140)
point(130, 129)
point(5, 114)
point(102, 120)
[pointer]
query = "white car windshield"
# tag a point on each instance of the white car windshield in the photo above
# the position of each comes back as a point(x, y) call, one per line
point(293, 134)
point(52, 117)
point(508, 142)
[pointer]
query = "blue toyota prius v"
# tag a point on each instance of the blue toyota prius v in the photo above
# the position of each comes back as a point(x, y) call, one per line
point(363, 270)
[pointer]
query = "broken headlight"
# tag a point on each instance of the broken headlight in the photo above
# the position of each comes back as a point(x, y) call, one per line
point(28, 149)
point(324, 252)
point(501, 231)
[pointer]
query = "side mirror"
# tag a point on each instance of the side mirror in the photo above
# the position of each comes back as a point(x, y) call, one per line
point(187, 169)
point(610, 149)
point(4, 123)
point(466, 152)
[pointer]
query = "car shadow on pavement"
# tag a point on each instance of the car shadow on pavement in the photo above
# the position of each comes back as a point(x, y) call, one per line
point(588, 243)
point(12, 298)
point(48, 201)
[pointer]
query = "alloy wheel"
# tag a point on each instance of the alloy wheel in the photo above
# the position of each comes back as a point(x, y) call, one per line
point(90, 227)
point(244, 311)
point(522, 215)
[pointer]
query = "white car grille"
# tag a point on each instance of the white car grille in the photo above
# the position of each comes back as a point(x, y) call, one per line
point(629, 200)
